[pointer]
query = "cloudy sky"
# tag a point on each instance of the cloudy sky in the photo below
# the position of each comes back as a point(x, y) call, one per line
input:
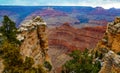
point(93, 3)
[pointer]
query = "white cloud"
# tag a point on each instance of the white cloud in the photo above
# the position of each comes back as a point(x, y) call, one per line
point(93, 3)
point(106, 4)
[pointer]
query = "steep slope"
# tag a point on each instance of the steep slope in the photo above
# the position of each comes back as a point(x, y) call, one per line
point(109, 47)
point(73, 38)
point(111, 37)
point(34, 41)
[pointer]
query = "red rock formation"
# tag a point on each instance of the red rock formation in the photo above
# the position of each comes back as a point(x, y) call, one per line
point(34, 43)
point(98, 22)
point(48, 12)
point(73, 38)
point(66, 38)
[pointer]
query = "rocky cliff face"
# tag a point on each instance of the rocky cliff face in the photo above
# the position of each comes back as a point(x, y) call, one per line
point(34, 41)
point(111, 63)
point(109, 46)
point(111, 37)
point(72, 38)
point(66, 38)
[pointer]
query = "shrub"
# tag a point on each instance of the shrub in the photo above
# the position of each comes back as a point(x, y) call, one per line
point(47, 65)
point(10, 52)
point(81, 62)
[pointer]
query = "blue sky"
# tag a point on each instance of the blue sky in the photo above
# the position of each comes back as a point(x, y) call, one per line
point(94, 3)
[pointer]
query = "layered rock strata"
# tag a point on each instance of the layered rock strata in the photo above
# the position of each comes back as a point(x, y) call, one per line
point(34, 41)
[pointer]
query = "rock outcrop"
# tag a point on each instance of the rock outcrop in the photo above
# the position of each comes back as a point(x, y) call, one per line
point(111, 63)
point(111, 37)
point(34, 41)
point(109, 46)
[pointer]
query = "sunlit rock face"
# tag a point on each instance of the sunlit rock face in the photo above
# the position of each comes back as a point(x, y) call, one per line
point(111, 39)
point(32, 34)
point(111, 63)
point(109, 46)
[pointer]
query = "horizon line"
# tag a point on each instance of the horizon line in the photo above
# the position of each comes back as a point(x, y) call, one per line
point(60, 5)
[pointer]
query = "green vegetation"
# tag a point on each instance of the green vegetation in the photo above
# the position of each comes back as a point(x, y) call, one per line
point(10, 52)
point(48, 65)
point(8, 30)
point(81, 62)
point(98, 55)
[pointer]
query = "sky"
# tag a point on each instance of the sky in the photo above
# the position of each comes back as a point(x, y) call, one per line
point(94, 3)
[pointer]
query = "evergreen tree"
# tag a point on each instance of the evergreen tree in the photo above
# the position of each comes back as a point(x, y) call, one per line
point(9, 30)
point(10, 51)
point(81, 62)
point(13, 61)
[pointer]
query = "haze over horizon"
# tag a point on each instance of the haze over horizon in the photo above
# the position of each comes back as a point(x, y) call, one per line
point(93, 3)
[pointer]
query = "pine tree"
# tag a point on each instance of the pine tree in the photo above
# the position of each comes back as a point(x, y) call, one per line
point(9, 30)
point(10, 51)
point(13, 61)
point(81, 62)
